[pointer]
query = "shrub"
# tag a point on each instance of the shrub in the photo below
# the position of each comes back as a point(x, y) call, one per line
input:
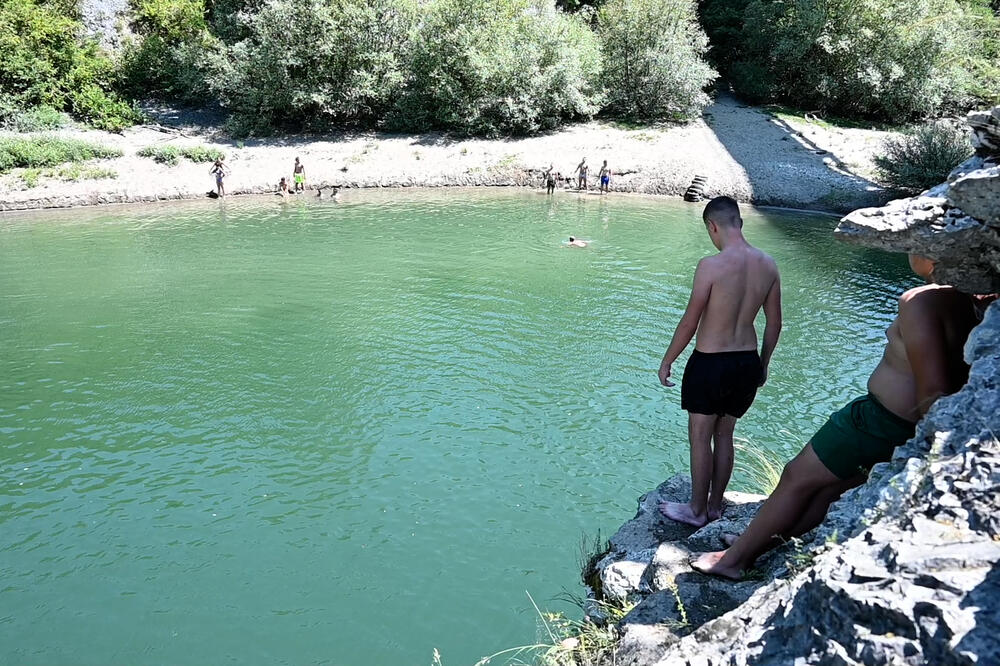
point(167, 56)
point(653, 56)
point(202, 153)
point(499, 67)
point(171, 155)
point(889, 59)
point(71, 172)
point(45, 151)
point(37, 119)
point(923, 157)
point(308, 63)
point(43, 62)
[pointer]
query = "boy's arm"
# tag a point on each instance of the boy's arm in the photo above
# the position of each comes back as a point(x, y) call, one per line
point(688, 325)
point(772, 327)
point(926, 349)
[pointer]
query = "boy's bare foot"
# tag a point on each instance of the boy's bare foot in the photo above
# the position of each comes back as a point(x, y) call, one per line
point(682, 513)
point(708, 563)
point(714, 514)
point(729, 539)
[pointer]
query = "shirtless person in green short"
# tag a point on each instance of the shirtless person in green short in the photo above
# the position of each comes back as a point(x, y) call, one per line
point(724, 371)
point(922, 361)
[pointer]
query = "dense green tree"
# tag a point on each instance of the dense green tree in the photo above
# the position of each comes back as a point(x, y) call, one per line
point(653, 58)
point(891, 59)
point(498, 67)
point(166, 53)
point(306, 63)
point(45, 62)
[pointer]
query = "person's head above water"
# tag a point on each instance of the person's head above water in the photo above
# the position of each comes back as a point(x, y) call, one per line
point(571, 239)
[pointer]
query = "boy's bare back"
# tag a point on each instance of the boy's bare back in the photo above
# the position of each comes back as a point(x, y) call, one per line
point(740, 281)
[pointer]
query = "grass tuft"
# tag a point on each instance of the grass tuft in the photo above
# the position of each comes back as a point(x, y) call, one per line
point(171, 155)
point(760, 467)
point(48, 151)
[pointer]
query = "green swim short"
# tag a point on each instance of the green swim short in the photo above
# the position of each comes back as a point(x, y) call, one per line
point(300, 178)
point(858, 436)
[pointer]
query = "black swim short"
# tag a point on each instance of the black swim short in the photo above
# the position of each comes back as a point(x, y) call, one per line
point(724, 383)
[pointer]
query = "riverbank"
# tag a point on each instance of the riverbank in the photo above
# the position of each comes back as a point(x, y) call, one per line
point(744, 152)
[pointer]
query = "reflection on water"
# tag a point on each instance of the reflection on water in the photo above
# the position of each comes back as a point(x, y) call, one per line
point(318, 432)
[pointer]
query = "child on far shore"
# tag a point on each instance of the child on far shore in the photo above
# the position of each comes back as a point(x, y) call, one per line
point(724, 370)
point(220, 171)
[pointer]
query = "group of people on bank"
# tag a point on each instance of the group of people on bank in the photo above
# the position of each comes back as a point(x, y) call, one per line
point(298, 180)
point(582, 173)
point(922, 362)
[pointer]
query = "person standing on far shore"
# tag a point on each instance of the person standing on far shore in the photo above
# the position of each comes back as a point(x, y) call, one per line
point(550, 180)
point(220, 171)
point(299, 176)
point(605, 176)
point(581, 170)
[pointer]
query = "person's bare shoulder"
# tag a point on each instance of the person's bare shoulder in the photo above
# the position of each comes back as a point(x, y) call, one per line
point(928, 295)
point(768, 260)
point(710, 266)
point(928, 302)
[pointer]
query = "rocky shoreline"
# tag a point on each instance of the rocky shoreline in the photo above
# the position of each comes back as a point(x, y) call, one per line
point(744, 152)
point(906, 568)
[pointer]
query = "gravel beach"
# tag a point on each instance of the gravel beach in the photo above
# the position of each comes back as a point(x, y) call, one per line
point(742, 151)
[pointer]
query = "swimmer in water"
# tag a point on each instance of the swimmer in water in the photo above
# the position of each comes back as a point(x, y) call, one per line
point(576, 242)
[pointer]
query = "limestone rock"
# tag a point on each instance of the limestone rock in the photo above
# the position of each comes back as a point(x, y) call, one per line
point(915, 577)
point(966, 249)
point(105, 20)
point(985, 131)
point(956, 223)
point(978, 194)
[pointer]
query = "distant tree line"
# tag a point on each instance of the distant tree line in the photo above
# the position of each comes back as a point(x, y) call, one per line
point(494, 67)
point(895, 60)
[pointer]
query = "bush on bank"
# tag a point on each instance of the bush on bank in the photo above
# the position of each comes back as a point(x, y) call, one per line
point(886, 59)
point(652, 53)
point(167, 52)
point(923, 157)
point(306, 63)
point(46, 151)
point(507, 66)
point(45, 62)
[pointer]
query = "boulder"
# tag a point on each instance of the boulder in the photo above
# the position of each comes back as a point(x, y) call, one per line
point(956, 223)
point(908, 571)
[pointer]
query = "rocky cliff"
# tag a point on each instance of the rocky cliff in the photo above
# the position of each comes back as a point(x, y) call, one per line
point(905, 569)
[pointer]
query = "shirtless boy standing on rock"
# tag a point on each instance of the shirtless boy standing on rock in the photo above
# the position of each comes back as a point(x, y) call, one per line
point(725, 370)
point(922, 361)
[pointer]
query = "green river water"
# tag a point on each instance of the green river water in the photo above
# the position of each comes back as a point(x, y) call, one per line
point(351, 432)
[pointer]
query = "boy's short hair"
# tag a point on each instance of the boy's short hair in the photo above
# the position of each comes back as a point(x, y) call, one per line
point(724, 211)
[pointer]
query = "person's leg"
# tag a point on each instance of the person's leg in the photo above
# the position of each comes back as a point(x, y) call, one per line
point(820, 505)
point(801, 481)
point(814, 514)
point(700, 430)
point(722, 463)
